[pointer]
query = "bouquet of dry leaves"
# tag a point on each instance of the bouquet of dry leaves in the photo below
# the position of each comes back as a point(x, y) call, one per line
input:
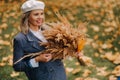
point(63, 39)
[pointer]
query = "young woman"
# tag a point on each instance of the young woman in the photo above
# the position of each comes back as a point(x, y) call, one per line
point(27, 41)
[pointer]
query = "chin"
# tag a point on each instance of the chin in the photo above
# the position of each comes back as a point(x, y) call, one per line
point(38, 24)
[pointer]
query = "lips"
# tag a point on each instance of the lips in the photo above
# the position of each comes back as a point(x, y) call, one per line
point(39, 21)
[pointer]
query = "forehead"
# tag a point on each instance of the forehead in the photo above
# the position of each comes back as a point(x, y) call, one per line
point(37, 11)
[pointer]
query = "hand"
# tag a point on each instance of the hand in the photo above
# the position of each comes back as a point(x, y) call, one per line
point(43, 58)
point(79, 54)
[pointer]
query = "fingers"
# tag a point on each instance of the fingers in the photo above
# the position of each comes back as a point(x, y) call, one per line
point(44, 57)
point(47, 57)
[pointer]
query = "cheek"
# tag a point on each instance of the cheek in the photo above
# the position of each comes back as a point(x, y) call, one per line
point(32, 20)
point(42, 16)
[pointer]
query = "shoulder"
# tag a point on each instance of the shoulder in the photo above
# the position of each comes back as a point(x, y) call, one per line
point(19, 39)
point(19, 36)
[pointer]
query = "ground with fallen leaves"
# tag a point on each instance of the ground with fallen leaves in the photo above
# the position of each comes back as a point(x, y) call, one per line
point(100, 19)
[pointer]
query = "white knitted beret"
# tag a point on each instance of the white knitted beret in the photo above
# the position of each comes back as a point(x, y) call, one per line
point(32, 5)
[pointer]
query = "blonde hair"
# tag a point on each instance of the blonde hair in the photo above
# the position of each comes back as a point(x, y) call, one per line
point(24, 25)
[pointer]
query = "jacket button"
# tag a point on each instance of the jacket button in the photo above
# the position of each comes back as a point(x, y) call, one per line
point(51, 70)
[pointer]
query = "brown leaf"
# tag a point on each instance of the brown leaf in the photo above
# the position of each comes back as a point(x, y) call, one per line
point(14, 74)
point(86, 73)
point(75, 71)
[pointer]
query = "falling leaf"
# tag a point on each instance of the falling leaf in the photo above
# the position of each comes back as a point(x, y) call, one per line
point(69, 69)
point(116, 71)
point(77, 63)
point(3, 42)
point(5, 59)
point(117, 59)
point(102, 71)
point(7, 35)
point(86, 73)
point(109, 29)
point(96, 54)
point(76, 71)
point(2, 64)
point(10, 62)
point(106, 45)
point(113, 57)
point(4, 26)
point(0, 31)
point(87, 60)
point(79, 78)
point(112, 77)
point(14, 74)
point(95, 28)
point(88, 78)
point(96, 37)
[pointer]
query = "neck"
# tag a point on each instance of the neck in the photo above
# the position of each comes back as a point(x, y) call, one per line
point(34, 28)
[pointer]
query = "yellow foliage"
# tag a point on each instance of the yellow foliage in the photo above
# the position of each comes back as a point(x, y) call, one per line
point(112, 57)
point(102, 71)
point(112, 77)
point(75, 71)
point(81, 43)
point(116, 71)
point(86, 73)
point(14, 74)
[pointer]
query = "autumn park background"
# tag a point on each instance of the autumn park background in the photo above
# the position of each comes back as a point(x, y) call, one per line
point(100, 19)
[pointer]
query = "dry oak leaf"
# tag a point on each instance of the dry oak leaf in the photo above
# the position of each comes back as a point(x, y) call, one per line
point(2, 64)
point(75, 71)
point(69, 69)
point(113, 57)
point(117, 60)
point(86, 73)
point(87, 60)
point(95, 28)
point(88, 78)
point(110, 56)
point(3, 26)
point(101, 71)
point(112, 77)
point(3, 42)
point(96, 54)
point(79, 78)
point(14, 74)
point(116, 71)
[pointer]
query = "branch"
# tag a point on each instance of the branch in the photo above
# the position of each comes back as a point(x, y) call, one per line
point(30, 54)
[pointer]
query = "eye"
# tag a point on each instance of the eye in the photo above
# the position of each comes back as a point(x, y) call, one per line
point(42, 13)
point(36, 14)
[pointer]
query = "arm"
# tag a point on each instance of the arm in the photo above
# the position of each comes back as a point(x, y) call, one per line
point(23, 65)
point(17, 54)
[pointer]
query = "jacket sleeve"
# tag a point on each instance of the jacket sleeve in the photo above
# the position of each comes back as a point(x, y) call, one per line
point(17, 54)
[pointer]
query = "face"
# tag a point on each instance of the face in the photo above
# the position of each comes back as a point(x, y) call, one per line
point(36, 18)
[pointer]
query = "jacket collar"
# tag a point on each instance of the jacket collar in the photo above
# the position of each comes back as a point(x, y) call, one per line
point(30, 36)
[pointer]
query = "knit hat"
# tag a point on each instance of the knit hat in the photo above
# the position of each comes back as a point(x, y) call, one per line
point(32, 5)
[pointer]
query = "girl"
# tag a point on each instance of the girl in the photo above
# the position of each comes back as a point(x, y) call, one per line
point(27, 41)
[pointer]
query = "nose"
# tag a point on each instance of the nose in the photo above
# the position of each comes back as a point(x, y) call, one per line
point(41, 16)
